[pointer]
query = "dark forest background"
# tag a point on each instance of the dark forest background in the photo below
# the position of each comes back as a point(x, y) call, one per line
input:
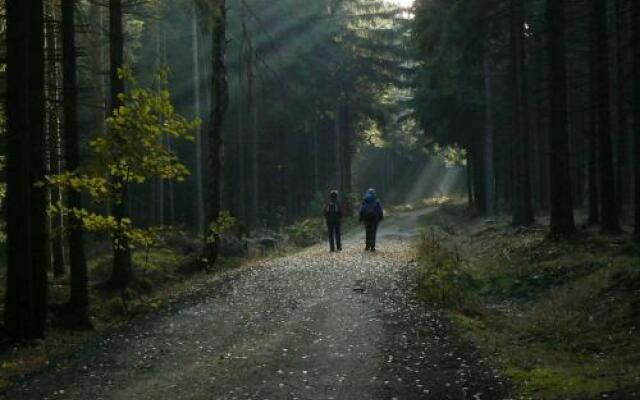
point(526, 107)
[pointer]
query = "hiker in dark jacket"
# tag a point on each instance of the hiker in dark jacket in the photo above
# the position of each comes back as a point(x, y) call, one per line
point(333, 214)
point(371, 214)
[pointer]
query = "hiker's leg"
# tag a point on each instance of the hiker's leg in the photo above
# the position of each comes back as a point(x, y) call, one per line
point(366, 235)
point(338, 238)
point(368, 227)
point(374, 233)
point(331, 237)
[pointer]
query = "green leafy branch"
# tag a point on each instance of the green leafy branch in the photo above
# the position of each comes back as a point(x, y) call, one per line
point(131, 151)
point(224, 223)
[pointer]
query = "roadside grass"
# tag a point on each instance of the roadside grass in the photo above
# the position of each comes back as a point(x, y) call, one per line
point(561, 318)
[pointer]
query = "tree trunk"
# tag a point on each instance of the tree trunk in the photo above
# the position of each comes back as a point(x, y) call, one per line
point(608, 204)
point(26, 297)
point(576, 155)
point(248, 70)
point(488, 157)
point(545, 176)
point(594, 195)
point(539, 158)
point(219, 103)
point(478, 174)
point(171, 189)
point(522, 207)
point(53, 138)
point(635, 26)
point(122, 266)
point(346, 184)
point(470, 197)
point(252, 110)
point(79, 295)
point(562, 222)
point(171, 193)
point(159, 193)
point(316, 154)
point(242, 153)
point(594, 122)
point(241, 140)
point(96, 67)
point(197, 111)
point(338, 146)
point(622, 164)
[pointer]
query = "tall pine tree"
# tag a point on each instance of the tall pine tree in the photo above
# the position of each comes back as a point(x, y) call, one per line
point(562, 222)
point(522, 207)
point(217, 14)
point(122, 264)
point(79, 297)
point(635, 26)
point(26, 298)
point(608, 204)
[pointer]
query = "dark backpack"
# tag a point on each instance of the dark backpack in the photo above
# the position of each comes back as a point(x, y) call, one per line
point(369, 210)
point(332, 209)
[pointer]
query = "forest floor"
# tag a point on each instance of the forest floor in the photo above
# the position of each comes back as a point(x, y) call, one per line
point(562, 318)
point(310, 325)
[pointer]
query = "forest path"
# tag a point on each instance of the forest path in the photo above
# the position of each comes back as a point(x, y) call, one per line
point(313, 325)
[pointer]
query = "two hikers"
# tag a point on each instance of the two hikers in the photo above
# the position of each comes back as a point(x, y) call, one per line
point(370, 214)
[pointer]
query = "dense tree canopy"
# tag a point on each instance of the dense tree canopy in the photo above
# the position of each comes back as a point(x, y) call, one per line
point(540, 90)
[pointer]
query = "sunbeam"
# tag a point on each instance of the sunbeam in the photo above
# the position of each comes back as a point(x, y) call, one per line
point(402, 3)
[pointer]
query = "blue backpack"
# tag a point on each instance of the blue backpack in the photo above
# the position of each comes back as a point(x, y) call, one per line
point(369, 210)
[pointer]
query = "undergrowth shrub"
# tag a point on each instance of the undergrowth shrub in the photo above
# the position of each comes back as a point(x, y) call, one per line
point(442, 276)
point(116, 306)
point(307, 232)
point(563, 317)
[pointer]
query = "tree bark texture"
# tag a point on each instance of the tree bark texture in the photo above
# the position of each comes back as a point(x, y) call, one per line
point(635, 26)
point(79, 295)
point(488, 157)
point(219, 104)
point(53, 124)
point(26, 297)
point(522, 206)
point(608, 204)
point(562, 220)
point(197, 111)
point(122, 265)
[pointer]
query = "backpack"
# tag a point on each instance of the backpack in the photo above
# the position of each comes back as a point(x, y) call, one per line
point(332, 209)
point(369, 210)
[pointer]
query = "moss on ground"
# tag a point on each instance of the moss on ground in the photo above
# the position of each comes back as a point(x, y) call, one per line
point(562, 318)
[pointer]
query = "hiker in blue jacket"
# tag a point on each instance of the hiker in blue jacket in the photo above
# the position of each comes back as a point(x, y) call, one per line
point(371, 214)
point(333, 214)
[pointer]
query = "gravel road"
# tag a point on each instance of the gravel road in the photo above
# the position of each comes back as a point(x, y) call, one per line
point(313, 325)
